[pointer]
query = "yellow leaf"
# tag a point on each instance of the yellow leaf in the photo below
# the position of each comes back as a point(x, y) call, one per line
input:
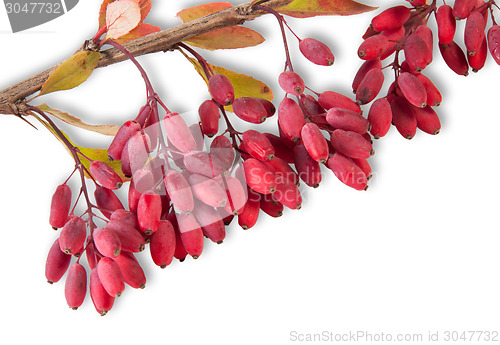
point(71, 72)
point(311, 8)
point(74, 121)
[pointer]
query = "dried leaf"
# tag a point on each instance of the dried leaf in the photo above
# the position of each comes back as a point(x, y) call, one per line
point(74, 121)
point(145, 6)
point(312, 8)
point(225, 38)
point(71, 73)
point(121, 17)
point(140, 30)
point(244, 85)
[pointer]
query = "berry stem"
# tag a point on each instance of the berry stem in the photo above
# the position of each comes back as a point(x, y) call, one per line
point(203, 63)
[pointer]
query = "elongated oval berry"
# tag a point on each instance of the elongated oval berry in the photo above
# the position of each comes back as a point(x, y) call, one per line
point(268, 105)
point(462, 8)
point(332, 99)
point(317, 52)
point(455, 58)
point(103, 302)
point(105, 175)
point(374, 47)
point(110, 276)
point(180, 252)
point(427, 120)
point(351, 144)
point(126, 131)
point(363, 69)
point(204, 163)
point(178, 132)
point(207, 190)
point(392, 18)
point(144, 115)
point(130, 238)
point(291, 118)
point(347, 120)
point(90, 253)
point(417, 3)
point(131, 271)
point(107, 201)
point(73, 235)
point(288, 195)
point(394, 34)
point(310, 105)
point(210, 221)
point(314, 142)
point(191, 234)
point(250, 109)
point(403, 117)
point(477, 61)
point(222, 148)
point(271, 206)
point(380, 117)
point(60, 206)
point(221, 89)
point(107, 242)
point(125, 217)
point(162, 244)
point(347, 171)
point(149, 212)
point(75, 287)
point(259, 177)
point(434, 97)
point(236, 193)
point(426, 34)
point(474, 32)
point(370, 86)
point(135, 153)
point(413, 90)
point(179, 191)
point(308, 169)
point(57, 263)
point(364, 166)
point(417, 53)
point(283, 171)
point(209, 117)
point(280, 149)
point(257, 145)
point(291, 83)
point(494, 42)
point(446, 24)
point(250, 213)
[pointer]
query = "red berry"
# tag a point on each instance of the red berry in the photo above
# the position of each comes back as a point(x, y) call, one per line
point(374, 47)
point(257, 145)
point(126, 131)
point(317, 52)
point(271, 206)
point(477, 61)
point(221, 89)
point(394, 34)
point(107, 242)
point(130, 238)
point(268, 105)
point(413, 90)
point(433, 95)
point(308, 169)
point(149, 212)
point(446, 24)
point(351, 144)
point(236, 194)
point(427, 120)
point(347, 120)
point(75, 287)
point(291, 83)
point(131, 271)
point(162, 244)
point(370, 86)
point(380, 118)
point(288, 195)
point(180, 252)
point(204, 163)
point(135, 153)
point(107, 201)
point(331, 99)
point(462, 8)
point(259, 177)
point(403, 117)
point(283, 171)
point(207, 190)
point(364, 166)
point(105, 175)
point(222, 148)
point(126, 218)
point(280, 149)
point(390, 19)
point(347, 171)
point(210, 221)
point(57, 263)
point(73, 235)
point(417, 53)
point(310, 105)
point(494, 42)
point(291, 118)
point(60, 206)
point(209, 117)
point(315, 142)
point(365, 68)
point(250, 109)
point(455, 58)
point(250, 213)
point(178, 133)
point(474, 32)
point(426, 34)
point(90, 253)
point(191, 234)
point(179, 191)
point(110, 276)
point(103, 302)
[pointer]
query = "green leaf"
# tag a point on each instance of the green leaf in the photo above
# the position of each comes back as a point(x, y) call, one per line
point(312, 8)
point(244, 85)
point(74, 121)
point(226, 38)
point(71, 73)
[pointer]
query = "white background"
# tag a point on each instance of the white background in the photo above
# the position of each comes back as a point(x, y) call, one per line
point(417, 252)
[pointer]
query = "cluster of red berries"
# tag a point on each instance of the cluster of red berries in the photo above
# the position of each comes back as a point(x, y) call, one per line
point(410, 99)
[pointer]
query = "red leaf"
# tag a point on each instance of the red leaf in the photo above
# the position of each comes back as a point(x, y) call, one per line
point(140, 30)
point(196, 12)
point(312, 8)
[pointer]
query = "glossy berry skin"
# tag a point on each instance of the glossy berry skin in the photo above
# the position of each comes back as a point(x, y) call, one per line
point(209, 118)
point(351, 144)
point(474, 32)
point(191, 234)
point(291, 83)
point(250, 213)
point(105, 175)
point(308, 169)
point(257, 145)
point(370, 86)
point(412, 89)
point(390, 19)
point(314, 142)
point(149, 212)
point(107, 201)
point(310, 106)
point(106, 242)
point(135, 153)
point(211, 222)
point(427, 36)
point(291, 119)
point(75, 287)
point(374, 47)
point(221, 89)
point(446, 24)
point(103, 302)
point(178, 133)
point(363, 69)
point(317, 52)
point(130, 238)
point(434, 97)
point(332, 99)
point(204, 163)
point(110, 276)
point(126, 131)
point(417, 53)
point(207, 190)
point(494, 42)
point(403, 117)
point(288, 195)
point(477, 61)
point(347, 120)
point(73, 235)
point(57, 263)
point(455, 58)
point(179, 191)
point(60, 206)
point(271, 206)
point(427, 120)
point(280, 149)
point(250, 109)
point(380, 118)
point(259, 177)
point(462, 8)
point(131, 271)
point(235, 188)
point(347, 171)
point(283, 171)
point(222, 148)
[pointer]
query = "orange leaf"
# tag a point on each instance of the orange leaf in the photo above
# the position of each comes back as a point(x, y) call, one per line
point(225, 38)
point(140, 30)
point(145, 6)
point(121, 17)
point(312, 8)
